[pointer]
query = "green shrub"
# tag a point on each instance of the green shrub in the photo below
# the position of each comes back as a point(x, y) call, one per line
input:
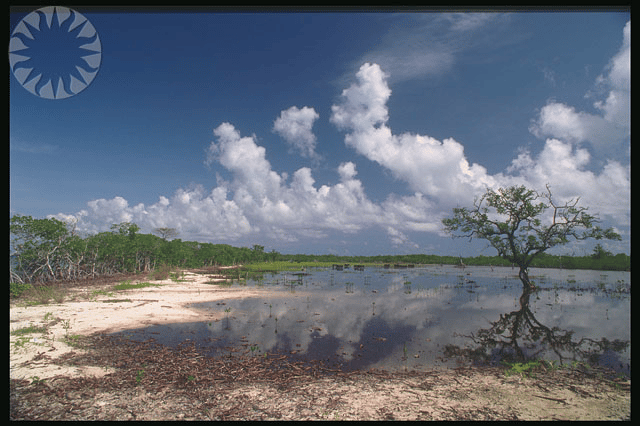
point(160, 273)
point(42, 294)
point(16, 289)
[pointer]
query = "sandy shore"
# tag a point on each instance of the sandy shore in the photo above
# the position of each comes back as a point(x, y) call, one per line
point(88, 311)
point(68, 370)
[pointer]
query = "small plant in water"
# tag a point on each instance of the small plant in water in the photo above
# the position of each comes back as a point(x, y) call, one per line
point(404, 358)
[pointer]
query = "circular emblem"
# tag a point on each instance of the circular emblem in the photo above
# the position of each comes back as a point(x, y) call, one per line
point(55, 52)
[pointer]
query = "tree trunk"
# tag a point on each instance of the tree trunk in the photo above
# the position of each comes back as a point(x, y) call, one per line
point(524, 277)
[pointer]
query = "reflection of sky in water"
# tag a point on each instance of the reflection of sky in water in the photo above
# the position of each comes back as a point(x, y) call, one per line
point(372, 318)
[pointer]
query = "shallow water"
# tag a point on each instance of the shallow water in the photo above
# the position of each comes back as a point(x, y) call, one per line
point(405, 318)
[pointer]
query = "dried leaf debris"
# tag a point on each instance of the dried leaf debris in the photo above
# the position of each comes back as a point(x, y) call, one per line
point(155, 382)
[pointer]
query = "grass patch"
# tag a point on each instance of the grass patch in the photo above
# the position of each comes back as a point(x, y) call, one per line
point(21, 342)
point(73, 340)
point(29, 330)
point(95, 293)
point(24, 335)
point(126, 285)
point(177, 277)
point(528, 369)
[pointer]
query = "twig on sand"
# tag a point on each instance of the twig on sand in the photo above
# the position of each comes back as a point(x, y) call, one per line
point(551, 399)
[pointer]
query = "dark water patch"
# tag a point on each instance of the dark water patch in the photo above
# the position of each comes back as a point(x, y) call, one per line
point(405, 318)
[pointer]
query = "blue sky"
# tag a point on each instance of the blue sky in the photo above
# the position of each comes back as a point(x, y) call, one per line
point(346, 133)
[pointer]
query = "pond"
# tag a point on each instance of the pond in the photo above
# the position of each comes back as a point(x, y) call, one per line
point(420, 318)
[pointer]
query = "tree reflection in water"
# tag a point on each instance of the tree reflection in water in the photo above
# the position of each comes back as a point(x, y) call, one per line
point(519, 337)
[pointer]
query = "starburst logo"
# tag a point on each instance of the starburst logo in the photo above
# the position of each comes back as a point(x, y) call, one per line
point(55, 52)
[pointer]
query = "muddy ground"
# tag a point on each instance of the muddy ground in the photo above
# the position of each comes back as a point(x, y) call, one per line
point(70, 369)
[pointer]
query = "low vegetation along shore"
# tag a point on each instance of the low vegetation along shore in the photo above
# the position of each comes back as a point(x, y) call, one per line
point(66, 365)
point(51, 251)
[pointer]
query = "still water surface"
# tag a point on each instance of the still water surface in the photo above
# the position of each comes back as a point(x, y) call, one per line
point(419, 318)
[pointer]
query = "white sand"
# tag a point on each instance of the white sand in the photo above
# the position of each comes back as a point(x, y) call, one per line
point(83, 315)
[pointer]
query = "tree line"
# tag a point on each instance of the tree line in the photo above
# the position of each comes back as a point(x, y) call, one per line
point(49, 250)
point(598, 260)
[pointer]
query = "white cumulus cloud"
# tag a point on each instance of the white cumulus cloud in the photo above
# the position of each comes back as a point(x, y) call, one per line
point(256, 203)
point(564, 168)
point(435, 168)
point(294, 126)
point(609, 127)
